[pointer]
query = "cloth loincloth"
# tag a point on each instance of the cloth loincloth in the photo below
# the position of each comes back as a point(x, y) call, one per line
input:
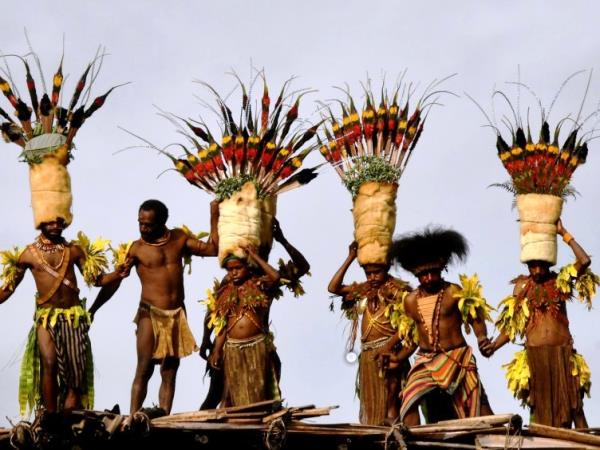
point(374, 384)
point(252, 368)
point(68, 329)
point(172, 335)
point(555, 395)
point(454, 372)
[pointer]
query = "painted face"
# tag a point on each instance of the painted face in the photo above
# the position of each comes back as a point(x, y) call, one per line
point(150, 228)
point(376, 274)
point(53, 230)
point(539, 270)
point(430, 279)
point(237, 271)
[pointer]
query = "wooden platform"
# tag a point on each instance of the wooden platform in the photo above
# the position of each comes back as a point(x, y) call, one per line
point(269, 425)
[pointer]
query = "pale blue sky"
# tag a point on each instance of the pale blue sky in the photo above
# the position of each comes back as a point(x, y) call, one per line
point(162, 46)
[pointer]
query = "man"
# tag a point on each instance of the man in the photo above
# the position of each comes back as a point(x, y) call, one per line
point(57, 368)
point(243, 349)
point(377, 299)
point(163, 334)
point(444, 376)
point(555, 393)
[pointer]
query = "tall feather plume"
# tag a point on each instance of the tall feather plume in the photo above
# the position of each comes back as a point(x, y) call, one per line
point(542, 167)
point(376, 143)
point(50, 117)
point(267, 147)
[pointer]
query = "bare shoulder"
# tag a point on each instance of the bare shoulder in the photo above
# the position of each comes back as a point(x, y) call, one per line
point(410, 304)
point(454, 288)
point(179, 234)
point(520, 284)
point(451, 291)
point(180, 238)
point(26, 258)
point(411, 299)
point(76, 251)
point(134, 249)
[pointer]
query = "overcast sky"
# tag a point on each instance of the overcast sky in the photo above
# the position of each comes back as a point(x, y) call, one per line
point(162, 46)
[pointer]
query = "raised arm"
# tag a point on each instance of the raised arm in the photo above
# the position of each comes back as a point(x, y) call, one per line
point(583, 260)
point(271, 275)
point(211, 246)
point(298, 258)
point(336, 285)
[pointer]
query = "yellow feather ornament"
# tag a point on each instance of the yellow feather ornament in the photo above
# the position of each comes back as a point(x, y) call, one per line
point(120, 253)
point(513, 317)
point(471, 303)
point(10, 267)
point(96, 262)
point(215, 321)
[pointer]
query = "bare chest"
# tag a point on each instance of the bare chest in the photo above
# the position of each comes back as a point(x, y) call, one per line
point(153, 257)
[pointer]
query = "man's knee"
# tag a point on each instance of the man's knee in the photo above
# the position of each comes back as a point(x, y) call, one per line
point(145, 368)
point(168, 368)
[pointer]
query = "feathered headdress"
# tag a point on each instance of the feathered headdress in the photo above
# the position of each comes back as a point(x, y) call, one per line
point(432, 248)
point(45, 131)
point(540, 171)
point(48, 114)
point(545, 166)
point(376, 144)
point(266, 146)
point(247, 163)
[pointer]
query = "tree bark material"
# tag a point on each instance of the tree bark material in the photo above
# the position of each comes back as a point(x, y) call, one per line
point(538, 214)
point(239, 222)
point(374, 221)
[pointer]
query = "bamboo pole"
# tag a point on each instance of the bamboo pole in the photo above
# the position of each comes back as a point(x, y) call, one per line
point(490, 420)
point(561, 433)
point(440, 444)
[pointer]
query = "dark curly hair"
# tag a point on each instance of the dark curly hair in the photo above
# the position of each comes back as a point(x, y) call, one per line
point(432, 246)
point(159, 208)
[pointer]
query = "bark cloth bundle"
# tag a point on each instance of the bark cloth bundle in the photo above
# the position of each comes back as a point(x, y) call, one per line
point(47, 137)
point(370, 151)
point(540, 174)
point(248, 164)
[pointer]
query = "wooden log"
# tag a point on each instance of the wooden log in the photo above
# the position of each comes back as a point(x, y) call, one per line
point(561, 433)
point(314, 412)
point(440, 444)
point(444, 436)
point(209, 426)
point(349, 430)
point(215, 416)
point(447, 428)
point(487, 441)
point(267, 405)
point(498, 419)
point(244, 420)
point(198, 416)
point(276, 415)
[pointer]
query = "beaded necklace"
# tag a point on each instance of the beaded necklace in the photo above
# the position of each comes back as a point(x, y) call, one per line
point(160, 241)
point(43, 245)
point(47, 246)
